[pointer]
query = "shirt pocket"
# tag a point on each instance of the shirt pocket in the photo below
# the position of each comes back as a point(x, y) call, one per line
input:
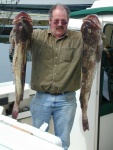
point(66, 54)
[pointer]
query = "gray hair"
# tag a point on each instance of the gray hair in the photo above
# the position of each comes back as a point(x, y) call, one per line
point(59, 5)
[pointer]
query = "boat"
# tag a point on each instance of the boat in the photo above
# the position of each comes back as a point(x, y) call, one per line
point(100, 111)
point(43, 6)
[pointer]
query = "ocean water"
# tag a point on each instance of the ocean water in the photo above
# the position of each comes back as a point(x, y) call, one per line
point(6, 73)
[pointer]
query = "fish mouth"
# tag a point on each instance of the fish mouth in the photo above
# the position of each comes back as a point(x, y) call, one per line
point(92, 19)
point(15, 21)
point(22, 16)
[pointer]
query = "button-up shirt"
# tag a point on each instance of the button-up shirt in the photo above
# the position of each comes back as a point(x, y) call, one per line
point(56, 63)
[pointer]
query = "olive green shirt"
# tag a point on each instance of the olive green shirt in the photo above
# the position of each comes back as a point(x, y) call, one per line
point(56, 63)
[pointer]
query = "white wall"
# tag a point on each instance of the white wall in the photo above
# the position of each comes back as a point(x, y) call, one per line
point(81, 140)
point(106, 132)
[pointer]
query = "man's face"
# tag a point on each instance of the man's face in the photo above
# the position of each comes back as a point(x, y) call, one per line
point(58, 22)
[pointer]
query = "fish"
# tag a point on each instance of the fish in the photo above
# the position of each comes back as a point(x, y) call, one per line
point(91, 56)
point(20, 39)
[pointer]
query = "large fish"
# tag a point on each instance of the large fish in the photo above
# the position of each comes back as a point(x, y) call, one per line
point(20, 38)
point(92, 50)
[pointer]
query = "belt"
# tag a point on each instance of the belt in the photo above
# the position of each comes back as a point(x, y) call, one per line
point(56, 93)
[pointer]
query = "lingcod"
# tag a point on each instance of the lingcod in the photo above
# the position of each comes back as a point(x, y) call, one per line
point(20, 38)
point(91, 56)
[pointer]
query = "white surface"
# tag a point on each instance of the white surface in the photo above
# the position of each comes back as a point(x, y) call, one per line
point(44, 126)
point(1, 110)
point(102, 3)
point(87, 140)
point(75, 24)
point(16, 139)
point(8, 90)
point(56, 1)
point(106, 132)
point(23, 115)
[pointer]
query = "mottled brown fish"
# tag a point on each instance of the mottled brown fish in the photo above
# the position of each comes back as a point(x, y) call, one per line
point(92, 49)
point(20, 37)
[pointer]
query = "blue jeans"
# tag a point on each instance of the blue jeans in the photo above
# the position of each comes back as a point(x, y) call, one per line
point(62, 107)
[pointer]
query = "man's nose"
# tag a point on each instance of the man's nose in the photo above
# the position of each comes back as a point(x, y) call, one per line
point(60, 23)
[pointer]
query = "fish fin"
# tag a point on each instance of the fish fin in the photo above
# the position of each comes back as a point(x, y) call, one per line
point(82, 99)
point(99, 52)
point(12, 40)
point(15, 111)
point(85, 125)
point(85, 122)
point(12, 47)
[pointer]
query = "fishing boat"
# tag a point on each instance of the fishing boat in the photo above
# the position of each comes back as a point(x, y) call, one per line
point(100, 109)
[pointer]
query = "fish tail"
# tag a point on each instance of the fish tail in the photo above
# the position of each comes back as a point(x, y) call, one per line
point(85, 122)
point(15, 110)
point(84, 106)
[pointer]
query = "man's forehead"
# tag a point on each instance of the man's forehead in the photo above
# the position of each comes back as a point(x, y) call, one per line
point(59, 9)
point(59, 13)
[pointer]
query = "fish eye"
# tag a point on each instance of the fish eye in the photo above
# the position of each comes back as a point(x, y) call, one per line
point(89, 30)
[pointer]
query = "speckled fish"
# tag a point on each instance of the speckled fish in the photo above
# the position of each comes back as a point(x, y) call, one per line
point(21, 36)
point(92, 49)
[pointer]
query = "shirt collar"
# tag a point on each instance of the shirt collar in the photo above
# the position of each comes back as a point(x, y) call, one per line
point(49, 33)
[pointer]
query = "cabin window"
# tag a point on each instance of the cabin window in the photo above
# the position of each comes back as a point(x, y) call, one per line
point(106, 77)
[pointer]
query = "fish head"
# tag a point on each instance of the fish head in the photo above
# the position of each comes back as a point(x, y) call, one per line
point(93, 21)
point(23, 27)
point(91, 29)
point(22, 16)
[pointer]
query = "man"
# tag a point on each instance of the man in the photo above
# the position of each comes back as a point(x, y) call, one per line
point(56, 73)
